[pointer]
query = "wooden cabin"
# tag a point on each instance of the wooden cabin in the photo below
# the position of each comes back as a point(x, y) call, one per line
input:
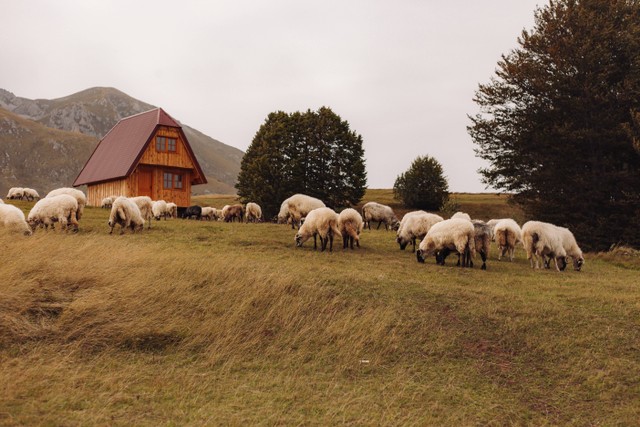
point(146, 154)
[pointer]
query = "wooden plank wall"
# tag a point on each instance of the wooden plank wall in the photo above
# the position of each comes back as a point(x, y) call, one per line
point(97, 192)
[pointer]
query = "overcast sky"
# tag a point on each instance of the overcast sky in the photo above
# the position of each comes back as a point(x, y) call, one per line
point(402, 73)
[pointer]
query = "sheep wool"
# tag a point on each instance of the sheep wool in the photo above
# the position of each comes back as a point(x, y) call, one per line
point(62, 208)
point(127, 214)
point(453, 234)
point(461, 215)
point(145, 204)
point(542, 239)
point(350, 225)
point(297, 207)
point(321, 222)
point(254, 212)
point(507, 234)
point(79, 196)
point(373, 211)
point(160, 209)
point(13, 219)
point(415, 225)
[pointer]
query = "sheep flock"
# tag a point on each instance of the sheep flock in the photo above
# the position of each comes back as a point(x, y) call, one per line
point(545, 244)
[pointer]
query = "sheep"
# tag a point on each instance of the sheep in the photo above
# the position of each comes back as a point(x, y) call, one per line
point(208, 213)
point(254, 212)
point(232, 212)
point(296, 207)
point(79, 196)
point(482, 241)
point(415, 225)
point(13, 219)
point(461, 215)
point(192, 211)
point(322, 222)
point(125, 212)
point(571, 247)
point(172, 210)
point(15, 193)
point(350, 225)
point(507, 234)
point(453, 234)
point(492, 225)
point(107, 202)
point(145, 204)
point(30, 194)
point(542, 239)
point(62, 208)
point(159, 210)
point(373, 211)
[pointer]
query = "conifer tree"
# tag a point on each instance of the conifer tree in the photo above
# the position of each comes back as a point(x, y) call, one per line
point(423, 185)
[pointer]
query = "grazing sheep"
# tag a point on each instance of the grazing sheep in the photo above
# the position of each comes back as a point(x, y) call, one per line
point(415, 225)
point(482, 241)
point(507, 235)
point(126, 213)
point(145, 204)
point(232, 212)
point(542, 239)
point(453, 234)
point(15, 193)
point(13, 219)
point(572, 249)
point(208, 213)
point(492, 225)
point(62, 208)
point(254, 212)
point(79, 196)
point(373, 211)
point(461, 215)
point(107, 202)
point(160, 210)
point(296, 207)
point(322, 222)
point(192, 211)
point(30, 194)
point(350, 225)
point(172, 208)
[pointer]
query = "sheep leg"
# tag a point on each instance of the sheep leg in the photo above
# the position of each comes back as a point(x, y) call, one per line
point(330, 237)
point(484, 260)
point(345, 242)
point(413, 240)
point(315, 242)
point(379, 224)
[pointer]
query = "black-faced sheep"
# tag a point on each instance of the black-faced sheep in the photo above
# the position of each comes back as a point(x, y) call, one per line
point(13, 219)
point(373, 211)
point(254, 212)
point(127, 214)
point(350, 225)
point(571, 247)
point(160, 210)
point(453, 234)
point(79, 196)
point(507, 235)
point(297, 207)
point(15, 193)
point(542, 239)
point(321, 222)
point(30, 194)
point(62, 208)
point(415, 225)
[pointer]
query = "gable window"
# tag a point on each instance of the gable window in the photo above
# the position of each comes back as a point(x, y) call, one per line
point(172, 180)
point(166, 144)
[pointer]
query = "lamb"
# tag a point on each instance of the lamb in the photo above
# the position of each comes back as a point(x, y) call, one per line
point(79, 196)
point(107, 202)
point(373, 211)
point(30, 194)
point(461, 215)
point(453, 234)
point(507, 234)
point(415, 225)
point(15, 193)
point(125, 212)
point(542, 239)
point(350, 225)
point(145, 204)
point(159, 210)
point(233, 212)
point(172, 210)
point(254, 212)
point(296, 207)
point(13, 219)
point(62, 208)
point(323, 222)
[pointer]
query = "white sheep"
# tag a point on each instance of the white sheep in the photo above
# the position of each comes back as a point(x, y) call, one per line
point(461, 215)
point(145, 204)
point(13, 219)
point(107, 202)
point(125, 212)
point(30, 194)
point(159, 209)
point(373, 211)
point(492, 225)
point(507, 234)
point(350, 225)
point(15, 193)
point(453, 234)
point(321, 222)
point(209, 213)
point(415, 225)
point(62, 208)
point(253, 212)
point(297, 207)
point(542, 239)
point(571, 248)
point(79, 196)
point(172, 208)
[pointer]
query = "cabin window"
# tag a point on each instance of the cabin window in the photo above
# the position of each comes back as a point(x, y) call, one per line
point(172, 180)
point(168, 180)
point(166, 144)
point(171, 144)
point(178, 181)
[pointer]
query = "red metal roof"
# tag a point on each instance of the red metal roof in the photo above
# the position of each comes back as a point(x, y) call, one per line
point(118, 153)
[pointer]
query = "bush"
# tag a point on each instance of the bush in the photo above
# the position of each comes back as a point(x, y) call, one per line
point(423, 185)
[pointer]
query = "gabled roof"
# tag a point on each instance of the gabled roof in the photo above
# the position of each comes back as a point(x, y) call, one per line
point(118, 153)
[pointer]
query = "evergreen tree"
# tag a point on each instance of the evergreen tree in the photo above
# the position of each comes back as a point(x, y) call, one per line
point(423, 185)
point(313, 153)
point(558, 122)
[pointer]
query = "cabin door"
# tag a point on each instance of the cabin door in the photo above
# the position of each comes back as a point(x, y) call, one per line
point(145, 183)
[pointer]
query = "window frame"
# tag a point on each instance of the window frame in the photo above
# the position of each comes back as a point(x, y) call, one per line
point(166, 144)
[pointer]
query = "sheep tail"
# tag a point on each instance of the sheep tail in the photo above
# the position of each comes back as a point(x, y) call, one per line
point(502, 238)
point(335, 230)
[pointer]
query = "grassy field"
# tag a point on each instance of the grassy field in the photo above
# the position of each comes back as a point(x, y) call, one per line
point(207, 323)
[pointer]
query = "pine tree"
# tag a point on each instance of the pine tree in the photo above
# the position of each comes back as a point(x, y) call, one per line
point(558, 122)
point(423, 185)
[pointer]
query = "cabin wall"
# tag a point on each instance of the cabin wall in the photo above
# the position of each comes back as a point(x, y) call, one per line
point(97, 192)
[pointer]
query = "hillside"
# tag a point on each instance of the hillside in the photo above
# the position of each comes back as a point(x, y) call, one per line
point(95, 111)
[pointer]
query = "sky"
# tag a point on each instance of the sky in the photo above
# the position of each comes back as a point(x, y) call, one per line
point(402, 73)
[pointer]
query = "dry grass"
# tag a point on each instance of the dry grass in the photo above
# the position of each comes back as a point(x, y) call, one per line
point(212, 323)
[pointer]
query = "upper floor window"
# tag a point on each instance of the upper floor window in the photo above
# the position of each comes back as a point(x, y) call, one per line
point(166, 144)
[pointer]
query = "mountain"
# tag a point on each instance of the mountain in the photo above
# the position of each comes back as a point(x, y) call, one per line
point(93, 112)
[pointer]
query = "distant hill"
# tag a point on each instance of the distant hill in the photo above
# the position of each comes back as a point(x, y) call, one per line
point(93, 112)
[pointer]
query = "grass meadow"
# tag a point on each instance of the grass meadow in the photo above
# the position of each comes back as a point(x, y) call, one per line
point(208, 323)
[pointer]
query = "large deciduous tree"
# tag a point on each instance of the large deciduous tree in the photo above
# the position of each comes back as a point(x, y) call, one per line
point(423, 185)
point(559, 120)
point(314, 153)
